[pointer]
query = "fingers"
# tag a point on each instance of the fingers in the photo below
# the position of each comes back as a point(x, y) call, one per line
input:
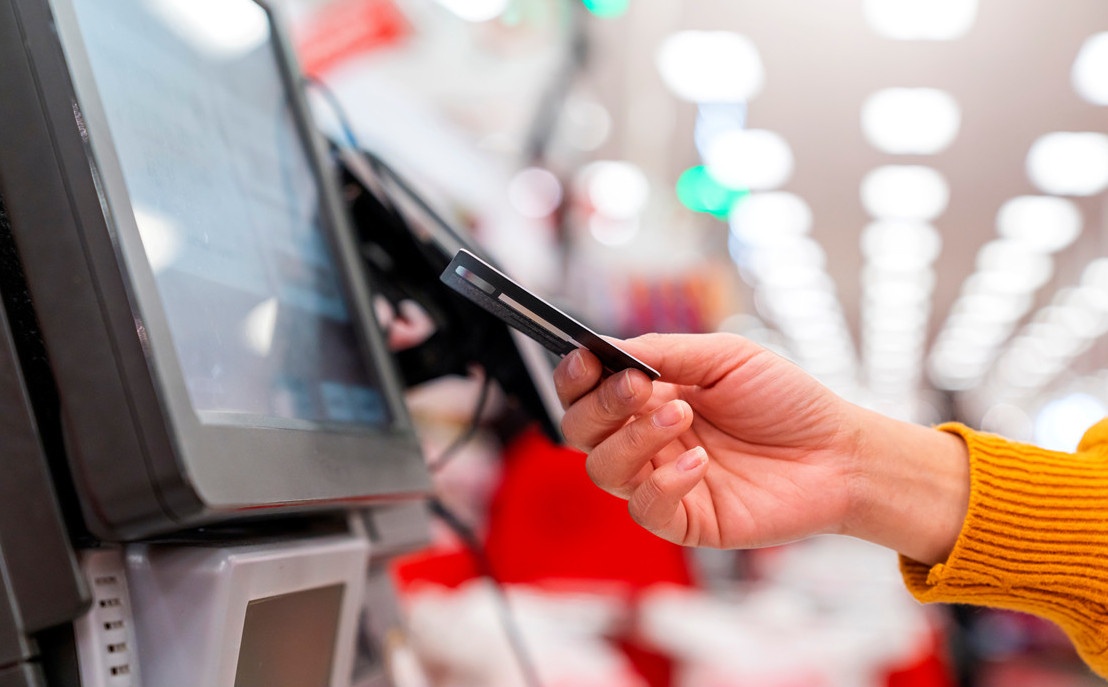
point(656, 502)
point(576, 375)
point(617, 464)
point(594, 416)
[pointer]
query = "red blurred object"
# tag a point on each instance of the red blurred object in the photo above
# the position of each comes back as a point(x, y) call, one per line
point(929, 668)
point(549, 523)
point(346, 29)
point(550, 526)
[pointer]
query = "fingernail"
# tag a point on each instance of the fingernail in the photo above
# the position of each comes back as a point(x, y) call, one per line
point(624, 388)
point(692, 459)
point(669, 415)
point(575, 368)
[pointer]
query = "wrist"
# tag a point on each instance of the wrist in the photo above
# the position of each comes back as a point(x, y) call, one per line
point(910, 490)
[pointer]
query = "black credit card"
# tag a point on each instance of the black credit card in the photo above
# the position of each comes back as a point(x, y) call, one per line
point(495, 292)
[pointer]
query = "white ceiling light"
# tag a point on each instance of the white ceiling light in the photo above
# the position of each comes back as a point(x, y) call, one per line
point(1077, 322)
point(618, 190)
point(910, 192)
point(904, 320)
point(765, 218)
point(895, 244)
point(1069, 164)
point(1088, 299)
point(974, 334)
point(1042, 223)
point(801, 255)
point(799, 278)
point(925, 20)
point(906, 121)
point(1012, 282)
point(798, 304)
point(953, 375)
point(710, 66)
point(1095, 274)
point(751, 159)
point(1012, 257)
point(1090, 70)
point(897, 294)
point(875, 277)
point(991, 308)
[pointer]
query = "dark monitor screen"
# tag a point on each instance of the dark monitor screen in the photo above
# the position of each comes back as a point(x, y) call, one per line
point(228, 210)
point(289, 640)
point(198, 294)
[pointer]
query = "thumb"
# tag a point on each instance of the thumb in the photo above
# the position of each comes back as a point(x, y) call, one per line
point(692, 359)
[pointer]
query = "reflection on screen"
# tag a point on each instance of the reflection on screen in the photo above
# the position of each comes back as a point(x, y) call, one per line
point(289, 640)
point(229, 211)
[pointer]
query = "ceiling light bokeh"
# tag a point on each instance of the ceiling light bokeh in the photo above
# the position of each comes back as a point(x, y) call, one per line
point(921, 20)
point(910, 192)
point(1090, 70)
point(710, 66)
point(752, 159)
point(910, 121)
point(1041, 223)
point(763, 219)
point(1067, 163)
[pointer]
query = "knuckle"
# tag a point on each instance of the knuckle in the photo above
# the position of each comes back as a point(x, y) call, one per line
point(642, 501)
point(636, 437)
point(607, 402)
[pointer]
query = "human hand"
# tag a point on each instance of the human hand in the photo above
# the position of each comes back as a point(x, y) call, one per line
point(736, 447)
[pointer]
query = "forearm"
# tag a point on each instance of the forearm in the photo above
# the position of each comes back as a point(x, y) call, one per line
point(911, 487)
point(1034, 538)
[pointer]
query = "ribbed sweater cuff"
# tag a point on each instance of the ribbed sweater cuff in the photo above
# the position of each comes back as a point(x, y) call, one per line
point(1035, 540)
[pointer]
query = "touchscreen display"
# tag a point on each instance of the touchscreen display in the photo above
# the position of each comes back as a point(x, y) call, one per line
point(229, 212)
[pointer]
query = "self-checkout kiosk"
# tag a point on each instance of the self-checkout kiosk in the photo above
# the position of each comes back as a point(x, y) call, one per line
point(207, 456)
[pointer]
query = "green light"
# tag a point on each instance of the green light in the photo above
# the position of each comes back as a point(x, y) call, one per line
point(699, 192)
point(607, 8)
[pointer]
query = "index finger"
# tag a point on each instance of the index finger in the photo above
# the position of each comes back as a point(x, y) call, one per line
point(576, 375)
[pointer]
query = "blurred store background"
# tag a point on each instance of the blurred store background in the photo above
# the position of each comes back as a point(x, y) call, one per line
point(907, 197)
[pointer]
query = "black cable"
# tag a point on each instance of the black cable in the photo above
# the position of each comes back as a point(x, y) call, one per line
point(337, 108)
point(451, 451)
point(507, 618)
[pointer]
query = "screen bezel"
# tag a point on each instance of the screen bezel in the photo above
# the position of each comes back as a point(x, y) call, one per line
point(215, 470)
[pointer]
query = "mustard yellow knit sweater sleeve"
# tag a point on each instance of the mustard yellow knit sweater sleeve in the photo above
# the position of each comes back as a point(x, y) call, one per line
point(1035, 538)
